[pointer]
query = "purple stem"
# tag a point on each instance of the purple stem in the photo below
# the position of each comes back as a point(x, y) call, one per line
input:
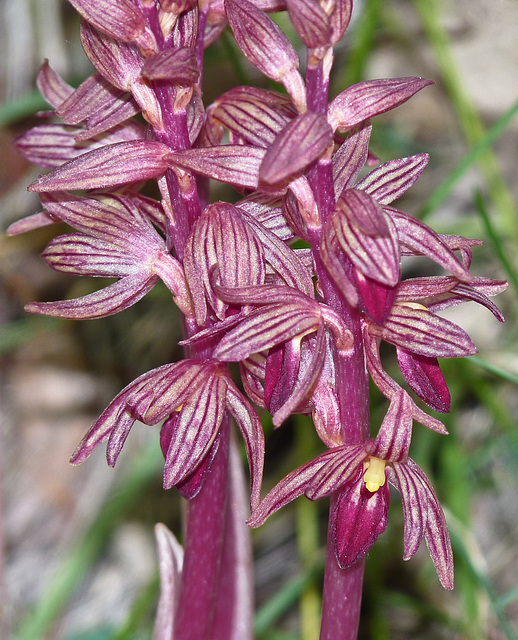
point(317, 87)
point(217, 554)
point(234, 615)
point(204, 538)
point(342, 592)
point(342, 596)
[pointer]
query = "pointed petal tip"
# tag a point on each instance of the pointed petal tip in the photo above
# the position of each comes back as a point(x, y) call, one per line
point(75, 459)
point(448, 582)
point(446, 579)
point(33, 307)
point(80, 454)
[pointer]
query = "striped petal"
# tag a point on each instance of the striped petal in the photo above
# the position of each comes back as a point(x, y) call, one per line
point(85, 256)
point(338, 470)
point(311, 22)
point(177, 65)
point(254, 115)
point(114, 219)
point(367, 236)
point(422, 511)
point(260, 39)
point(393, 440)
point(308, 369)
point(170, 562)
point(425, 378)
point(340, 18)
point(357, 518)
point(251, 429)
point(422, 240)
point(112, 299)
point(119, 62)
point(51, 145)
point(423, 333)
point(195, 430)
point(52, 86)
point(268, 211)
point(222, 249)
point(119, 19)
point(289, 488)
point(350, 158)
point(299, 144)
point(283, 260)
point(392, 179)
point(367, 99)
point(150, 398)
point(266, 327)
point(114, 164)
point(389, 387)
point(233, 164)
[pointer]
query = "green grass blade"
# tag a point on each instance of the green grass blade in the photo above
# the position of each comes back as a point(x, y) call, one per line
point(463, 543)
point(476, 152)
point(22, 107)
point(497, 371)
point(361, 40)
point(145, 602)
point(16, 333)
point(285, 598)
point(508, 597)
point(78, 562)
point(495, 240)
point(468, 118)
point(308, 542)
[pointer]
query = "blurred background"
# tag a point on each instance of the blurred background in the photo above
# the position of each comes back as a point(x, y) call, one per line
point(77, 554)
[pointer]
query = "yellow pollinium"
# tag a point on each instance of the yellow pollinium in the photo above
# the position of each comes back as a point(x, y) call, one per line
point(413, 305)
point(374, 476)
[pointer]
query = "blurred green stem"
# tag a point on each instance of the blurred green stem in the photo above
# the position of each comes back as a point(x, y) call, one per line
point(21, 107)
point(477, 150)
point(468, 118)
point(281, 601)
point(496, 240)
point(307, 536)
point(363, 33)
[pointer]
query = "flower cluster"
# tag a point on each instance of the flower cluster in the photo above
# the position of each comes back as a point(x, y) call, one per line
point(304, 324)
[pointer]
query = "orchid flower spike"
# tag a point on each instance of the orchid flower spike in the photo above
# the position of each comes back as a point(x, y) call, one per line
point(357, 475)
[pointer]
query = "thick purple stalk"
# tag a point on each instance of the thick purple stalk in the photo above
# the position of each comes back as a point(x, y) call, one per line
point(342, 591)
point(177, 233)
point(352, 379)
point(204, 543)
point(317, 86)
point(321, 174)
point(211, 534)
point(342, 597)
point(234, 615)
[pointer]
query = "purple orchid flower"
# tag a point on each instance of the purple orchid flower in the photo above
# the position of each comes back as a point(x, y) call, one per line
point(364, 238)
point(117, 240)
point(421, 337)
point(357, 474)
point(192, 396)
point(304, 325)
